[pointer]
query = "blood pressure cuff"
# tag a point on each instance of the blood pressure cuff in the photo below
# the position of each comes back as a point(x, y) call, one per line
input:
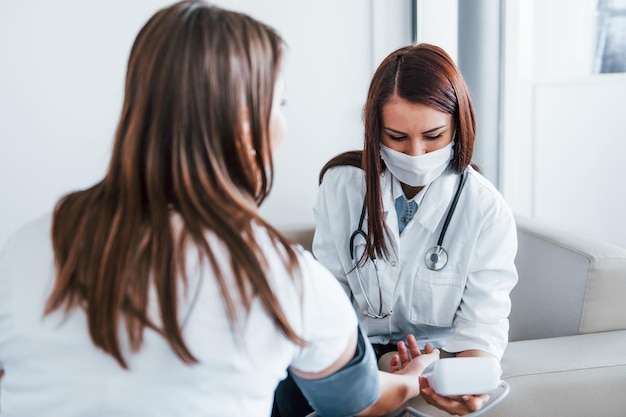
point(347, 391)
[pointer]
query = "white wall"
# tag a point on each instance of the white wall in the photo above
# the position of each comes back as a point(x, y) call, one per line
point(63, 66)
point(579, 146)
point(391, 28)
point(61, 89)
point(437, 23)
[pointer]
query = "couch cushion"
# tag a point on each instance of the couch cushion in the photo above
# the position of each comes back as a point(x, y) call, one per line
point(582, 375)
point(568, 284)
point(574, 376)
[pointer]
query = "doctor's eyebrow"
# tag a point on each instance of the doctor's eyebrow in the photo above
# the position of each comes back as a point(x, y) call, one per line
point(394, 130)
point(434, 129)
point(423, 133)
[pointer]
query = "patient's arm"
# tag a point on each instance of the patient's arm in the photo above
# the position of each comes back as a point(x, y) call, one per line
point(397, 388)
point(379, 392)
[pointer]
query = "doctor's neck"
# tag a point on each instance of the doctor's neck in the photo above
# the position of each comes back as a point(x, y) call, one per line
point(410, 191)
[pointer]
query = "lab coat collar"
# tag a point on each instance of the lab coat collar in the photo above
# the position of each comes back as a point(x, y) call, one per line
point(396, 191)
point(435, 202)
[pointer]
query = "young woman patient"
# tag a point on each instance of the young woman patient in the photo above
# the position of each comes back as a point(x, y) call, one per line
point(160, 290)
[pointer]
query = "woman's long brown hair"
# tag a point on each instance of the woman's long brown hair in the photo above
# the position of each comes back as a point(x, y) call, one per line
point(423, 74)
point(196, 73)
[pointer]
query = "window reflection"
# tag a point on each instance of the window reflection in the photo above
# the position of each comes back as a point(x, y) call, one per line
point(611, 37)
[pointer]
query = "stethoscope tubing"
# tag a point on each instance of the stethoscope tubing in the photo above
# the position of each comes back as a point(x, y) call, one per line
point(370, 312)
point(436, 258)
point(455, 200)
point(360, 232)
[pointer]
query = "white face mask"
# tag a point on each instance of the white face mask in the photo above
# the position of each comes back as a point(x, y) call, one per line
point(417, 170)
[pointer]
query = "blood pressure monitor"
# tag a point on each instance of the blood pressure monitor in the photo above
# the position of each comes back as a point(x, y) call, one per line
point(465, 376)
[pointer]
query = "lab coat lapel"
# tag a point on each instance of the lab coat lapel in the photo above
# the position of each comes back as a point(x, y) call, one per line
point(390, 210)
point(437, 200)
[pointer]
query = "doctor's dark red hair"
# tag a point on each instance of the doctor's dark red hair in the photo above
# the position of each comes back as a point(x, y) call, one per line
point(423, 74)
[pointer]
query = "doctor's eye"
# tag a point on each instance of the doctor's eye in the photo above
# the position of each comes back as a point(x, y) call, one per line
point(434, 137)
point(396, 138)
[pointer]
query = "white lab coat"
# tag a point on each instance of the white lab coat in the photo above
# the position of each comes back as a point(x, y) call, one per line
point(463, 306)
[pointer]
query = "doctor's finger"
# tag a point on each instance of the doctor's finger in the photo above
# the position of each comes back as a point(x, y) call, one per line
point(451, 405)
point(475, 402)
point(436, 400)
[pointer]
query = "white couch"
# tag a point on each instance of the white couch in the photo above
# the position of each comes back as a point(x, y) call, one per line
point(567, 350)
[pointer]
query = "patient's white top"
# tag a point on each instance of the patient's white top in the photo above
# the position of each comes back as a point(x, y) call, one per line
point(53, 369)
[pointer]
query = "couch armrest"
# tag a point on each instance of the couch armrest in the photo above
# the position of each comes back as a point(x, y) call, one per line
point(568, 284)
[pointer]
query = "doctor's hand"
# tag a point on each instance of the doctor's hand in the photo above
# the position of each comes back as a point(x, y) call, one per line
point(457, 404)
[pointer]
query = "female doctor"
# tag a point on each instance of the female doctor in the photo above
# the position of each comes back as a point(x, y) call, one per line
point(421, 242)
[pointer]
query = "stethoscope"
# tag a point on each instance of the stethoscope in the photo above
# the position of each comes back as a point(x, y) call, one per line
point(436, 258)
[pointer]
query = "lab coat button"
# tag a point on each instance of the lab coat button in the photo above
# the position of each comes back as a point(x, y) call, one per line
point(393, 263)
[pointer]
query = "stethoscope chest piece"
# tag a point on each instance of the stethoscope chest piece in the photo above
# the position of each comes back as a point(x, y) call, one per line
point(436, 258)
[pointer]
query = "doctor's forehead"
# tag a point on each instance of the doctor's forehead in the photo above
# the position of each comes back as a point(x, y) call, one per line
point(398, 112)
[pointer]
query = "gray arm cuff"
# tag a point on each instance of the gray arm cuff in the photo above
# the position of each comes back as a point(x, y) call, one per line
point(349, 390)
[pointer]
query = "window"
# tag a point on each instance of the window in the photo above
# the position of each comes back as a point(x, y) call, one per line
point(611, 37)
